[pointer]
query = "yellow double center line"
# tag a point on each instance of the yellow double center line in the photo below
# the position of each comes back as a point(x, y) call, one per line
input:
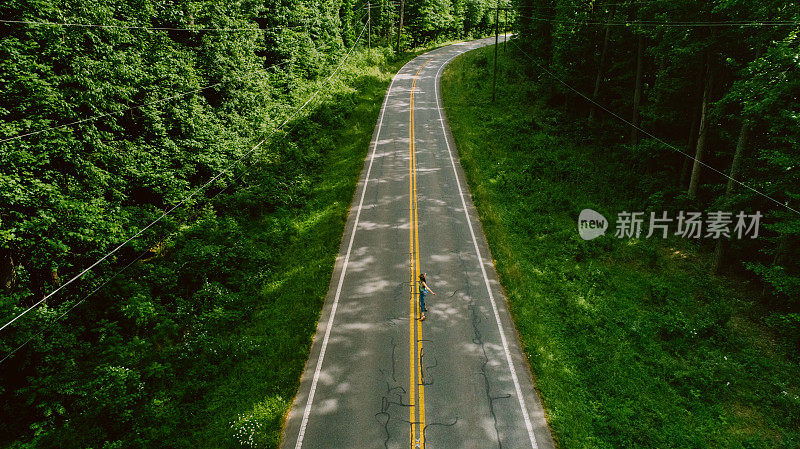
point(416, 395)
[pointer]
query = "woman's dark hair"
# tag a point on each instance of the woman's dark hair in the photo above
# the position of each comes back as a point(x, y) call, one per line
point(422, 277)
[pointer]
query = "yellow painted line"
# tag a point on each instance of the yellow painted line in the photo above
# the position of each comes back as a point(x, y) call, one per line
point(415, 341)
point(419, 325)
point(412, 389)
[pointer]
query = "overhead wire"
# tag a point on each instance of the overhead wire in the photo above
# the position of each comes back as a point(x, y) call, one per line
point(49, 325)
point(591, 4)
point(651, 135)
point(194, 193)
point(145, 28)
point(668, 24)
point(128, 265)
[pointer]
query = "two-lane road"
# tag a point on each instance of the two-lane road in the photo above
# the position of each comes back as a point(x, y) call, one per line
point(377, 377)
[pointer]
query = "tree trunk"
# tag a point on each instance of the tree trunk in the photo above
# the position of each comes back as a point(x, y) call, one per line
point(722, 244)
point(400, 30)
point(545, 30)
point(780, 250)
point(744, 134)
point(598, 79)
point(8, 272)
point(54, 279)
point(693, 125)
point(637, 92)
point(525, 26)
point(38, 280)
point(690, 144)
point(694, 182)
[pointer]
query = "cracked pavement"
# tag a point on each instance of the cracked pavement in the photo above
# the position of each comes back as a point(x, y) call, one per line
point(354, 389)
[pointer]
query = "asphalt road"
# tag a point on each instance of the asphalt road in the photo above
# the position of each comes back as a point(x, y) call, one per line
point(377, 376)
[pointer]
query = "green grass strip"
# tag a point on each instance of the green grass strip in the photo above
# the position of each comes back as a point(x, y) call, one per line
point(632, 343)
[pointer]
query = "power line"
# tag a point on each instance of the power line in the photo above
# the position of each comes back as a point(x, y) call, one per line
point(127, 108)
point(669, 24)
point(114, 276)
point(145, 28)
point(50, 325)
point(42, 331)
point(194, 193)
point(657, 139)
point(589, 4)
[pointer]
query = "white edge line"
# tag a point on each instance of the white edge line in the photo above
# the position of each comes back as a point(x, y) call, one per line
point(517, 386)
point(310, 400)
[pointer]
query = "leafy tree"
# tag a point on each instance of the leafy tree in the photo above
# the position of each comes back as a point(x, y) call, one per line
point(106, 126)
point(715, 79)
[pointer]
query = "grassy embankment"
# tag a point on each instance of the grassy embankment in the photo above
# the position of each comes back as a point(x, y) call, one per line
point(223, 313)
point(259, 388)
point(248, 407)
point(632, 343)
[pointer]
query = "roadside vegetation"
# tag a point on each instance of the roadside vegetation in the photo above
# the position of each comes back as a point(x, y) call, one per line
point(632, 342)
point(202, 343)
point(201, 340)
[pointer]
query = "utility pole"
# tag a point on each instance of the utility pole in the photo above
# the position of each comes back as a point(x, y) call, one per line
point(388, 22)
point(496, 40)
point(400, 30)
point(369, 28)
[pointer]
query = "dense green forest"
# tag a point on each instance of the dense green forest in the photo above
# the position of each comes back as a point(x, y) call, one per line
point(648, 106)
point(212, 148)
point(631, 341)
point(701, 99)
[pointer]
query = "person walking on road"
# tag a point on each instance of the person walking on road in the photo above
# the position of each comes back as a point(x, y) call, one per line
point(423, 290)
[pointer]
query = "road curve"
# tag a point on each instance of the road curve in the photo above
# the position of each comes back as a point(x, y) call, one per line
point(377, 376)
